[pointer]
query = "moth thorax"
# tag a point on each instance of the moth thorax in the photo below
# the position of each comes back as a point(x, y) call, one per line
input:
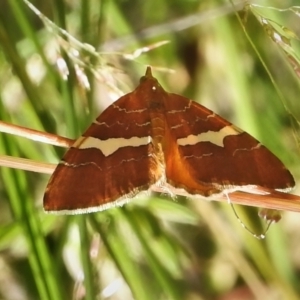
point(158, 125)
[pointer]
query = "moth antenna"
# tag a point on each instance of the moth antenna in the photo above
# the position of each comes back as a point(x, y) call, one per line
point(257, 236)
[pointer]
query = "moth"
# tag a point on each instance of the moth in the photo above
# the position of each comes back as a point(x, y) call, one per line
point(151, 138)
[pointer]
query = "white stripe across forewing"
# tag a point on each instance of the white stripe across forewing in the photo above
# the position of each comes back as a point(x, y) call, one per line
point(109, 146)
point(214, 137)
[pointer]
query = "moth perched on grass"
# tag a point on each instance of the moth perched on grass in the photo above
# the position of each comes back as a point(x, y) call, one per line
point(153, 138)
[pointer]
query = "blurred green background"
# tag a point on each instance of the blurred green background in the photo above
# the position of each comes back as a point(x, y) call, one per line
point(154, 247)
